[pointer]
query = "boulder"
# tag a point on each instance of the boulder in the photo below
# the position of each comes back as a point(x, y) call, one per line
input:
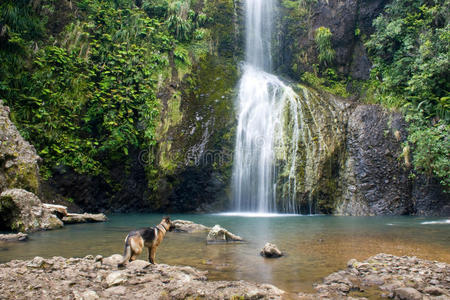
point(408, 293)
point(84, 218)
point(217, 234)
point(271, 251)
point(12, 237)
point(189, 226)
point(21, 210)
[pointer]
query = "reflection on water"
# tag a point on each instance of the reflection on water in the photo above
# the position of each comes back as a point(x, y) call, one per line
point(315, 245)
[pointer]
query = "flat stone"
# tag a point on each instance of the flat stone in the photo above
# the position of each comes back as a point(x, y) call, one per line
point(84, 218)
point(138, 264)
point(116, 278)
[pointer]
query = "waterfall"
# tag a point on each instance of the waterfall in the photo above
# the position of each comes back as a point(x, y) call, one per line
point(268, 123)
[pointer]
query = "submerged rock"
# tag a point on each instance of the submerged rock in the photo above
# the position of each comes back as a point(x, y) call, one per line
point(189, 226)
point(84, 218)
point(11, 237)
point(23, 211)
point(271, 251)
point(219, 234)
point(84, 278)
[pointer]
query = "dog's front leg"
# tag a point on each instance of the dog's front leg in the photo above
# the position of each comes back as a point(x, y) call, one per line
point(152, 254)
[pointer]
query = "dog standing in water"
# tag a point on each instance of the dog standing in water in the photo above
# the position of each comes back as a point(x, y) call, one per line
point(149, 237)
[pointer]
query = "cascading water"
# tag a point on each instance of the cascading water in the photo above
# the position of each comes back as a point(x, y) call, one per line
point(263, 101)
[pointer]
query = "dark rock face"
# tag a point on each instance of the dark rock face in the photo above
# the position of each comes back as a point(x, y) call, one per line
point(348, 22)
point(376, 182)
point(375, 175)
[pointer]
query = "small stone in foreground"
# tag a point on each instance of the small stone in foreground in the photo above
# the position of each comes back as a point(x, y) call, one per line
point(271, 251)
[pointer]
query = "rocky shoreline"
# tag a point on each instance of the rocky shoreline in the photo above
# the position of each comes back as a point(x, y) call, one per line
point(387, 276)
point(92, 278)
point(88, 278)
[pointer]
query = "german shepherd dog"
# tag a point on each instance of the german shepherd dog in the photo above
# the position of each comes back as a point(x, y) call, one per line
point(149, 237)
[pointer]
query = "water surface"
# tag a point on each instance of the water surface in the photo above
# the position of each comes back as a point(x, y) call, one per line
point(315, 245)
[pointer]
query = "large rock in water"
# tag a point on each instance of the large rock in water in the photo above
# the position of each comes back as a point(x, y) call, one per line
point(189, 226)
point(21, 210)
point(18, 159)
point(219, 234)
point(271, 251)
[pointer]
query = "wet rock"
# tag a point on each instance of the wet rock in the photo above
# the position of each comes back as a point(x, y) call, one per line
point(189, 226)
point(220, 235)
point(407, 294)
point(84, 218)
point(13, 237)
point(116, 278)
point(270, 251)
point(23, 211)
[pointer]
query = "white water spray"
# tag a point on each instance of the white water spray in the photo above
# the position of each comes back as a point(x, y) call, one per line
point(263, 101)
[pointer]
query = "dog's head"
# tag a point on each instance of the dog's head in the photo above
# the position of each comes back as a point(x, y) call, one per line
point(168, 223)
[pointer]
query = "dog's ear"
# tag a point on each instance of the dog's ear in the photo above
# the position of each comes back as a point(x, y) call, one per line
point(167, 218)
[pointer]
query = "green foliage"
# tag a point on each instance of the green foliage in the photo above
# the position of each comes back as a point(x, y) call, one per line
point(85, 97)
point(329, 83)
point(410, 50)
point(431, 146)
point(323, 44)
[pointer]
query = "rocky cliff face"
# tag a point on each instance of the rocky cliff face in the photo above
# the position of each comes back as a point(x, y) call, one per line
point(349, 22)
point(18, 159)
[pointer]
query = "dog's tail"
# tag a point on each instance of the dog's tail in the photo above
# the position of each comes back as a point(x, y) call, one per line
point(126, 253)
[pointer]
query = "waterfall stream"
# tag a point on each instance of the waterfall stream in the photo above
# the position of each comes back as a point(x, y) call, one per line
point(267, 109)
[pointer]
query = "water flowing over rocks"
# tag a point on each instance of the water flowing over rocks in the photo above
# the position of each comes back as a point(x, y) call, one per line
point(23, 211)
point(271, 251)
point(189, 226)
point(88, 278)
point(219, 234)
point(387, 276)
